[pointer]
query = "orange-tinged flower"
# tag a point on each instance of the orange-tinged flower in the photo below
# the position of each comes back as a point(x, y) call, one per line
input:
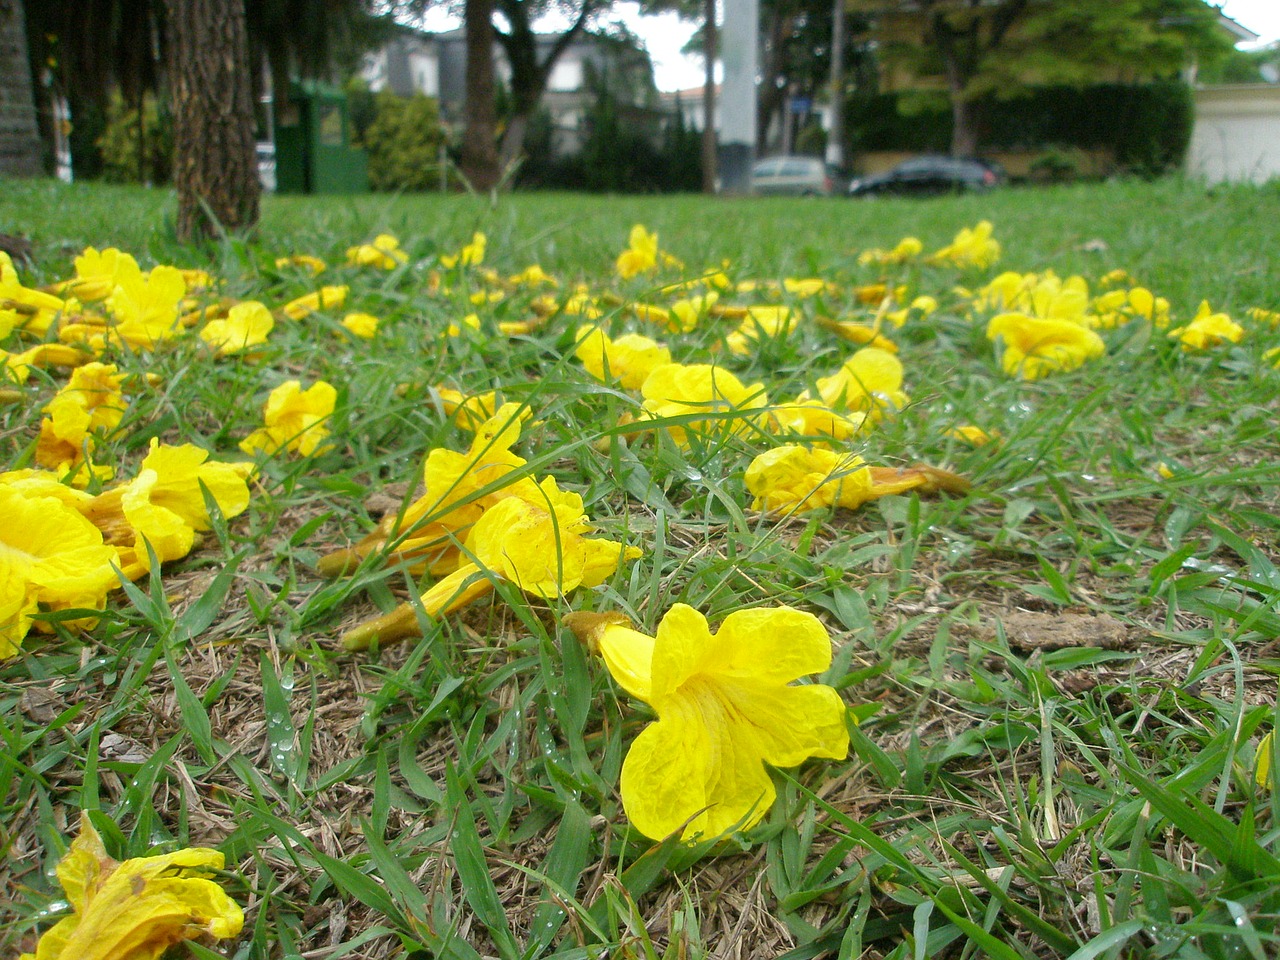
point(296, 419)
point(677, 390)
point(137, 909)
point(49, 555)
point(629, 359)
point(1208, 329)
point(384, 253)
point(726, 706)
point(322, 299)
point(1034, 347)
point(245, 325)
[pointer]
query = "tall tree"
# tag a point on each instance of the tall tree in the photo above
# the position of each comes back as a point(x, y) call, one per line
point(479, 146)
point(19, 140)
point(981, 46)
point(215, 167)
point(710, 47)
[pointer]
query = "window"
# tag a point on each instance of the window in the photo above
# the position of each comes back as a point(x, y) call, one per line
point(566, 76)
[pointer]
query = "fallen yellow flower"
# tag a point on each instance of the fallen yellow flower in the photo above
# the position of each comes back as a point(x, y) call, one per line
point(676, 390)
point(246, 325)
point(296, 419)
point(384, 253)
point(137, 909)
point(629, 359)
point(1034, 347)
point(1207, 329)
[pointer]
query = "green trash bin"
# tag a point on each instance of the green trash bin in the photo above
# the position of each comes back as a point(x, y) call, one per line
point(313, 144)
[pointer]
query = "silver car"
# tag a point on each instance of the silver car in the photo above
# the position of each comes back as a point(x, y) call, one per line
point(800, 176)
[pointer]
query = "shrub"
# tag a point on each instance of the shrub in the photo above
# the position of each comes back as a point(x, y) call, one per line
point(134, 152)
point(404, 143)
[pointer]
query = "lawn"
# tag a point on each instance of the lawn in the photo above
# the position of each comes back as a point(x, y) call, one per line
point(1056, 656)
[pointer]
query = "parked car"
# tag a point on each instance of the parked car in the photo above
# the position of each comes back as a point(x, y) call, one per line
point(802, 176)
point(931, 174)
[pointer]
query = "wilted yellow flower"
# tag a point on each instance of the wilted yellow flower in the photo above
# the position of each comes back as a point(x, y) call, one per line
point(88, 407)
point(864, 334)
point(322, 299)
point(908, 248)
point(726, 706)
point(17, 366)
point(363, 325)
point(1262, 761)
point(384, 253)
point(471, 255)
point(641, 255)
point(1208, 329)
point(971, 248)
point(164, 505)
point(23, 309)
point(1034, 347)
point(675, 390)
point(312, 265)
point(796, 479)
point(49, 555)
point(629, 359)
point(246, 325)
point(870, 380)
point(296, 419)
point(534, 540)
point(138, 909)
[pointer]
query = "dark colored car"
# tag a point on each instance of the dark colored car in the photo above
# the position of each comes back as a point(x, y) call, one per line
point(931, 175)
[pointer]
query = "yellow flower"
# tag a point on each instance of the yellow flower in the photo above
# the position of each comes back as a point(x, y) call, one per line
point(1259, 315)
point(364, 325)
point(676, 390)
point(908, 248)
point(808, 286)
point(246, 325)
point(863, 334)
point(312, 265)
point(535, 540)
point(18, 365)
point(471, 255)
point(1150, 307)
point(145, 311)
point(641, 255)
point(726, 706)
point(470, 412)
point(1034, 347)
point(630, 358)
point(761, 323)
point(970, 248)
point(98, 274)
point(88, 407)
point(1262, 761)
point(813, 418)
point(49, 555)
point(972, 434)
point(1272, 356)
point(870, 380)
point(1036, 294)
point(325, 297)
point(384, 252)
point(687, 312)
point(1208, 329)
point(164, 504)
point(795, 479)
point(533, 276)
point(471, 321)
point(24, 309)
point(136, 910)
point(296, 419)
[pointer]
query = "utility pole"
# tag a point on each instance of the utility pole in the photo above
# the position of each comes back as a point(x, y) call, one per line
point(739, 54)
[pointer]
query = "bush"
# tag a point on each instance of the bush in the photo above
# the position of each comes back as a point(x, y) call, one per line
point(134, 152)
point(404, 143)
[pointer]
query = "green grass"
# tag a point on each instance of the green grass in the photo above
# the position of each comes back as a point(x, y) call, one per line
point(1027, 780)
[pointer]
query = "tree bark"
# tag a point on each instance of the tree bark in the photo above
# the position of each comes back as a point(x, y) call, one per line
point(479, 149)
point(709, 143)
point(215, 164)
point(20, 148)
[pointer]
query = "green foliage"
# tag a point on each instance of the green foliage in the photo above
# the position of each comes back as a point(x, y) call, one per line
point(404, 142)
point(1146, 126)
point(811, 140)
point(133, 151)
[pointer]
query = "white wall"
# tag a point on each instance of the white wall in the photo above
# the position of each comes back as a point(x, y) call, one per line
point(1236, 134)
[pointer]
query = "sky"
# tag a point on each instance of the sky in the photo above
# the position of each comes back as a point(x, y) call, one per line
point(664, 36)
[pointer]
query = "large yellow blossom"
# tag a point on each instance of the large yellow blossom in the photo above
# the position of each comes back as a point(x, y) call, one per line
point(145, 311)
point(49, 555)
point(641, 255)
point(762, 323)
point(974, 247)
point(99, 273)
point(870, 381)
point(629, 359)
point(675, 390)
point(1034, 347)
point(384, 253)
point(245, 325)
point(22, 308)
point(164, 505)
point(296, 419)
point(536, 541)
point(1207, 329)
point(87, 408)
point(137, 909)
point(726, 706)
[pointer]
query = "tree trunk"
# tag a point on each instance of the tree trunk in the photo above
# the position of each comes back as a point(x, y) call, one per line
point(709, 99)
point(513, 140)
point(215, 165)
point(479, 152)
point(20, 148)
point(835, 129)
